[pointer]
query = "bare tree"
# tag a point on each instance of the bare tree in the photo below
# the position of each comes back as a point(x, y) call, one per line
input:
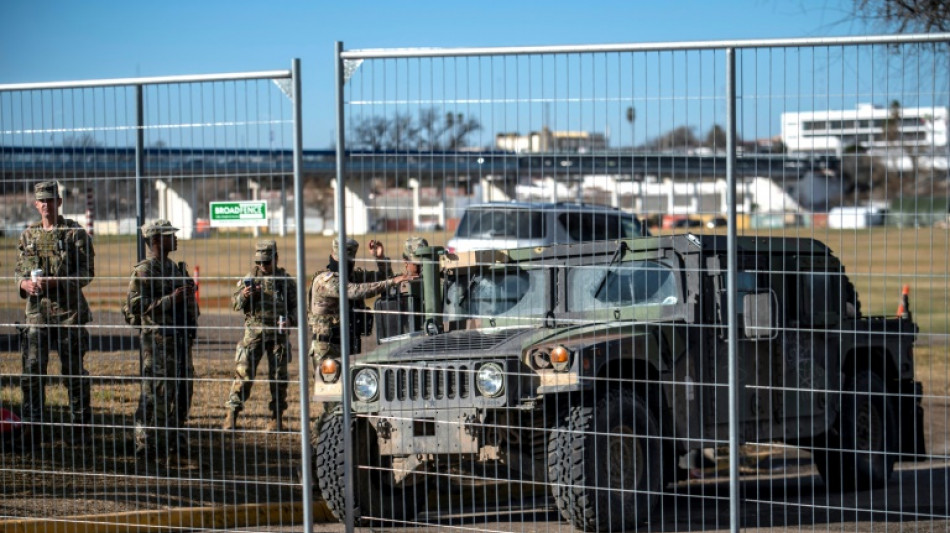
point(430, 131)
point(86, 140)
point(371, 133)
point(901, 16)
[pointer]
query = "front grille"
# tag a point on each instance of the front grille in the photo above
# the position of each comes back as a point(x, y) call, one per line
point(464, 341)
point(442, 382)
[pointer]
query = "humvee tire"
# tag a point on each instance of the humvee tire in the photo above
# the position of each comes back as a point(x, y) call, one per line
point(603, 463)
point(379, 501)
point(860, 454)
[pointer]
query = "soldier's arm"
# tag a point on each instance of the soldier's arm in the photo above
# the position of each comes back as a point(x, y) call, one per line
point(22, 272)
point(137, 301)
point(238, 301)
point(85, 258)
point(361, 291)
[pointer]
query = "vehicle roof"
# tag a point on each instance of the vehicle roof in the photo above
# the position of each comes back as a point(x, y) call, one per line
point(680, 241)
point(547, 206)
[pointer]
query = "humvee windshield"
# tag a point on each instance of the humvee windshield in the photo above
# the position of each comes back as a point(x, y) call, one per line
point(626, 284)
point(511, 292)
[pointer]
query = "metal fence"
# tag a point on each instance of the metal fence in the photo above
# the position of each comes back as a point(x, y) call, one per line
point(746, 366)
point(661, 286)
point(110, 425)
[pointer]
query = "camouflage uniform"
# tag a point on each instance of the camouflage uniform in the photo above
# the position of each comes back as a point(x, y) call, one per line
point(55, 319)
point(409, 249)
point(167, 333)
point(324, 315)
point(275, 298)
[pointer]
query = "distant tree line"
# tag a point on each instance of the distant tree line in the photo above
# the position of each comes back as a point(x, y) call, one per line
point(429, 130)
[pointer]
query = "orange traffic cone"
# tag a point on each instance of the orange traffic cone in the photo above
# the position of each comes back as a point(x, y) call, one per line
point(903, 309)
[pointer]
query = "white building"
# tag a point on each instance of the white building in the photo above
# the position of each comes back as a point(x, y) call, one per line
point(920, 129)
point(551, 141)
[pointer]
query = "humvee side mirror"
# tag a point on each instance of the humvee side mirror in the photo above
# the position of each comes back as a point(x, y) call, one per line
point(760, 315)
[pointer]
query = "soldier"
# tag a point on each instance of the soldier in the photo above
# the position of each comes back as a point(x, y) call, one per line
point(268, 298)
point(324, 315)
point(413, 266)
point(55, 260)
point(162, 300)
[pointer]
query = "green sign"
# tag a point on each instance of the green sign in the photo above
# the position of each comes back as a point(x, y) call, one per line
point(238, 214)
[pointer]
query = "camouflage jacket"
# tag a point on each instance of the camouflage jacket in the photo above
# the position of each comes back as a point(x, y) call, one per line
point(276, 297)
point(324, 313)
point(65, 253)
point(150, 294)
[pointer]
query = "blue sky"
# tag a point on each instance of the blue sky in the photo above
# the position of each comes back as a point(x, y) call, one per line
point(71, 40)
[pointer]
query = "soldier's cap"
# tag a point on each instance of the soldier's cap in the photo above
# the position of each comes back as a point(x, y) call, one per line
point(46, 190)
point(351, 247)
point(158, 227)
point(413, 244)
point(265, 251)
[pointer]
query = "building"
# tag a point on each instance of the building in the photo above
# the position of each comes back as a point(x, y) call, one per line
point(551, 141)
point(917, 129)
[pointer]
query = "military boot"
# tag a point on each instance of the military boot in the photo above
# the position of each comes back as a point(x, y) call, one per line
point(275, 424)
point(230, 423)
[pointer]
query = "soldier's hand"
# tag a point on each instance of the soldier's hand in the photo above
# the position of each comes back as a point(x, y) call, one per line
point(182, 294)
point(31, 288)
point(405, 277)
point(247, 290)
point(377, 248)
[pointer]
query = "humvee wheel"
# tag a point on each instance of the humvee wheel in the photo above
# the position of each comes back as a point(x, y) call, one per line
point(604, 463)
point(860, 456)
point(379, 499)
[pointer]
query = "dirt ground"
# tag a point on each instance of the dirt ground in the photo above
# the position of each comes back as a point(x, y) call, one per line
point(247, 466)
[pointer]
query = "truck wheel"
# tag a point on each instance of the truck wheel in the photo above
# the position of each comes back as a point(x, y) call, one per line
point(379, 500)
point(328, 463)
point(861, 455)
point(604, 463)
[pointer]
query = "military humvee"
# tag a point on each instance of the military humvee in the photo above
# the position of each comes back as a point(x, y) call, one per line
point(600, 365)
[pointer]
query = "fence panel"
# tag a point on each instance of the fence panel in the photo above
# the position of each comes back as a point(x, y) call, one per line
point(126, 427)
point(561, 367)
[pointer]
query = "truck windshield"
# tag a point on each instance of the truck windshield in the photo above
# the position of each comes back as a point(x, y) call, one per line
point(626, 284)
point(508, 293)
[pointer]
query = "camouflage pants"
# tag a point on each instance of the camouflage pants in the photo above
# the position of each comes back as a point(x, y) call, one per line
point(70, 343)
point(250, 351)
point(167, 387)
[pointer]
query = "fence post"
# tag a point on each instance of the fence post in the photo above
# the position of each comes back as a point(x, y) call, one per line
point(139, 170)
point(731, 286)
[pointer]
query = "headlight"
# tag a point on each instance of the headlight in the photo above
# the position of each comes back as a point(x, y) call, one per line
point(490, 380)
point(366, 385)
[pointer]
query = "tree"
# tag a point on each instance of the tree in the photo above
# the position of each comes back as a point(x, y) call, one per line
point(678, 138)
point(86, 140)
point(716, 138)
point(631, 118)
point(900, 16)
point(429, 131)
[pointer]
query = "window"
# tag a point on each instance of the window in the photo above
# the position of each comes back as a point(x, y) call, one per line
point(583, 227)
point(512, 292)
point(502, 223)
point(632, 283)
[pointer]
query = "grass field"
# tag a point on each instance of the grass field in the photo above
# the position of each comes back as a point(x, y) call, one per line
point(879, 261)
